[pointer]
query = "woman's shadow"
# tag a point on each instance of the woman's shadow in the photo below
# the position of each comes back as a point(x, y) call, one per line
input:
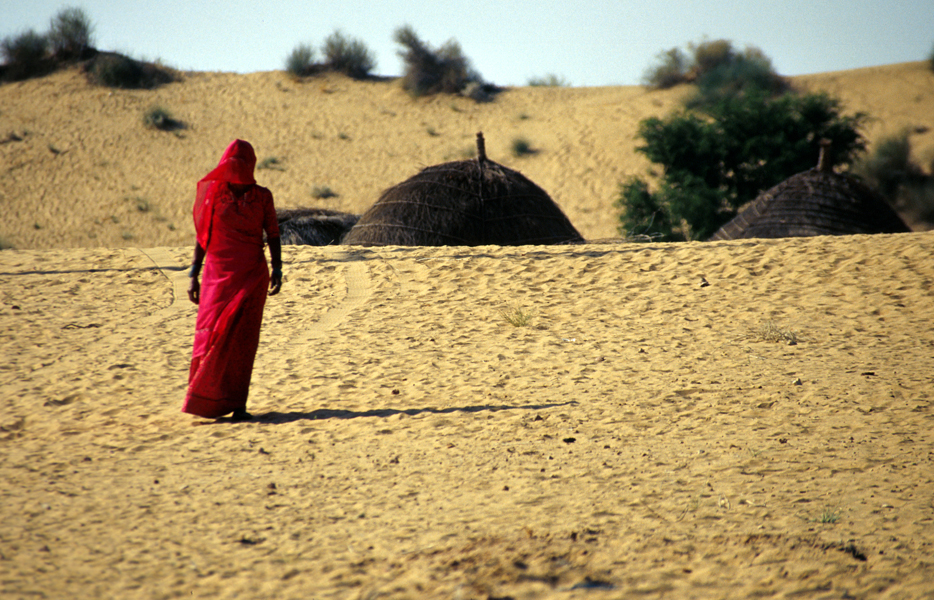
point(278, 418)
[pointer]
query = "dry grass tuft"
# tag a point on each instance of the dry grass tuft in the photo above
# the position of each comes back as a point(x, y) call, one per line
point(516, 316)
point(770, 332)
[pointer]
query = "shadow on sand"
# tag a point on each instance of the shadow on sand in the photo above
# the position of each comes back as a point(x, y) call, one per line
point(278, 418)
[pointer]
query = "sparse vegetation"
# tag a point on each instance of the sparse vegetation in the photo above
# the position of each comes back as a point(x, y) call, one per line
point(671, 69)
point(516, 316)
point(435, 71)
point(717, 158)
point(828, 516)
point(550, 80)
point(322, 192)
point(718, 70)
point(341, 55)
point(141, 204)
point(348, 56)
point(770, 332)
point(301, 61)
point(70, 34)
point(902, 182)
point(26, 56)
point(31, 54)
point(271, 162)
point(119, 71)
point(521, 147)
point(158, 117)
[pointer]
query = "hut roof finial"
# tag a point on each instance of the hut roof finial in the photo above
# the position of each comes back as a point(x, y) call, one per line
point(481, 147)
point(825, 162)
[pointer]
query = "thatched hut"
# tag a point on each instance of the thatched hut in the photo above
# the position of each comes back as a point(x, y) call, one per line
point(313, 226)
point(815, 202)
point(464, 203)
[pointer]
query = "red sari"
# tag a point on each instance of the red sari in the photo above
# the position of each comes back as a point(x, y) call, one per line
point(233, 286)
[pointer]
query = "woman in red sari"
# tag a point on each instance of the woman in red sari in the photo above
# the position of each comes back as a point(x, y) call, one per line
point(231, 212)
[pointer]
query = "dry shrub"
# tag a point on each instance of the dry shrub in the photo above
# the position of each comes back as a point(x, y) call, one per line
point(770, 332)
point(432, 71)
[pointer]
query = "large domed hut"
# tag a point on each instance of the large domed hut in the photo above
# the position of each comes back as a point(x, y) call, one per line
point(815, 202)
point(313, 226)
point(464, 203)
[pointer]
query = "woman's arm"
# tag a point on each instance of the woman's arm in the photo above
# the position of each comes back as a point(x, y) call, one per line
point(194, 286)
point(275, 253)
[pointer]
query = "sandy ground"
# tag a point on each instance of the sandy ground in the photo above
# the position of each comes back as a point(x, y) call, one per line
point(640, 437)
point(643, 435)
point(79, 169)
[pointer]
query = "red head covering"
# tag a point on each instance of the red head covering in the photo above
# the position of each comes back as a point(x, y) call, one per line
point(236, 166)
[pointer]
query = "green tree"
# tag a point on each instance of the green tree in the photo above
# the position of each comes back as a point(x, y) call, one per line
point(722, 156)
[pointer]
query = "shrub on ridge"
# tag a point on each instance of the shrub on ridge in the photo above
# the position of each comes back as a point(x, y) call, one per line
point(348, 56)
point(70, 34)
point(550, 80)
point(719, 71)
point(26, 55)
point(118, 71)
point(432, 71)
point(301, 61)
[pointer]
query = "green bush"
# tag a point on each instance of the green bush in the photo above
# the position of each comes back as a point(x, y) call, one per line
point(301, 61)
point(70, 34)
point(428, 71)
point(348, 56)
point(643, 217)
point(118, 71)
point(26, 55)
point(721, 158)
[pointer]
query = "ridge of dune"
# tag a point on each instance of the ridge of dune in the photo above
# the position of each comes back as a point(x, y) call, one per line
point(81, 170)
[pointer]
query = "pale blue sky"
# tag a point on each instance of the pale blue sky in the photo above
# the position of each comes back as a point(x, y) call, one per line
point(587, 42)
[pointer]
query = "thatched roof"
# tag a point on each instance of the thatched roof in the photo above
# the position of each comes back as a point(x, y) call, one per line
point(815, 202)
point(464, 203)
point(313, 226)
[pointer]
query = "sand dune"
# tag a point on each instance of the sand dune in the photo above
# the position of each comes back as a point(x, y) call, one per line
point(87, 173)
point(640, 437)
point(652, 432)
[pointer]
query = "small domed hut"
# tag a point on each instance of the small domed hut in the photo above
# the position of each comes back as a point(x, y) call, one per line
point(815, 202)
point(313, 226)
point(464, 203)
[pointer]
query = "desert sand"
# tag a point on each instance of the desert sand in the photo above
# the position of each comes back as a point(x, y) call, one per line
point(86, 172)
point(696, 420)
